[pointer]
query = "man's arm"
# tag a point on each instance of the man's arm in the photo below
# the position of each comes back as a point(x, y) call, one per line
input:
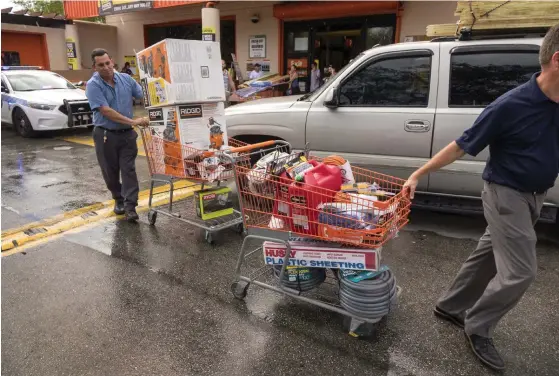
point(136, 88)
point(98, 102)
point(485, 129)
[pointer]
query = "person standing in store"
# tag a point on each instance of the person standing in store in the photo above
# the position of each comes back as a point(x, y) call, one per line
point(126, 69)
point(315, 76)
point(293, 81)
point(521, 129)
point(110, 97)
point(228, 82)
point(256, 72)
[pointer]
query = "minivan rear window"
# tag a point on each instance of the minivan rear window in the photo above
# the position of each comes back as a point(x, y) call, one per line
point(477, 79)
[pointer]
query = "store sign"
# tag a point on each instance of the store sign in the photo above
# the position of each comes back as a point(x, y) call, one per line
point(71, 54)
point(257, 46)
point(319, 256)
point(108, 7)
point(208, 34)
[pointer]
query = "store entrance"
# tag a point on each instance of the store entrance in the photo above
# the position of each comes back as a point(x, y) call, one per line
point(333, 42)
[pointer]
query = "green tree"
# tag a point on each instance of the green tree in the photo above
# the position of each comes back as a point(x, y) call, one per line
point(47, 6)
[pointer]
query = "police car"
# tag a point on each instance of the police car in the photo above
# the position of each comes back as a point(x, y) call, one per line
point(37, 100)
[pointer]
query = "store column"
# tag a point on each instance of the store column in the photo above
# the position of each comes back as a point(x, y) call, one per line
point(210, 23)
point(72, 47)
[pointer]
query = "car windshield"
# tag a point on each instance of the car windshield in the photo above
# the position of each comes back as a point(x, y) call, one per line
point(31, 81)
point(314, 94)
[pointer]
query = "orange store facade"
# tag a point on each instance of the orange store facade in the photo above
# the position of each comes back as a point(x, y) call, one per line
point(296, 32)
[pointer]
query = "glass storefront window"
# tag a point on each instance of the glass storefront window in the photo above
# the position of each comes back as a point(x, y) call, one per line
point(297, 42)
point(379, 35)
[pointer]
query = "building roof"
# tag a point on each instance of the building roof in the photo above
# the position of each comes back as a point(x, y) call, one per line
point(30, 18)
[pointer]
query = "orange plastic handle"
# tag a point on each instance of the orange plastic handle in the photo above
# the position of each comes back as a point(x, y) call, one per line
point(243, 149)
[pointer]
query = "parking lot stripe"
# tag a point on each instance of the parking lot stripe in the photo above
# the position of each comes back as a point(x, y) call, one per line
point(88, 140)
point(13, 240)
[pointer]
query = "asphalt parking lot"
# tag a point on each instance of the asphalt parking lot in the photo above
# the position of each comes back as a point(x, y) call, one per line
point(108, 297)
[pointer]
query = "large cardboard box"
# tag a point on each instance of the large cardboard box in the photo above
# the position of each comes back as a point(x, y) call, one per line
point(184, 130)
point(179, 71)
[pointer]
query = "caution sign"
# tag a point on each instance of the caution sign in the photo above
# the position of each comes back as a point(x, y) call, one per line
point(71, 54)
point(208, 34)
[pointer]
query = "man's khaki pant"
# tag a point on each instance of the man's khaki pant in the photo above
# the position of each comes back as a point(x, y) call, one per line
point(496, 275)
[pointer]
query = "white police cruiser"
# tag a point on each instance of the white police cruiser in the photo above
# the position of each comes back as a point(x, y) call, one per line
point(37, 100)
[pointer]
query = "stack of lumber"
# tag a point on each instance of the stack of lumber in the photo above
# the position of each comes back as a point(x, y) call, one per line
point(499, 15)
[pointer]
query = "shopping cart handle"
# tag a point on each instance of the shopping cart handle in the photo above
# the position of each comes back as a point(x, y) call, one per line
point(243, 149)
point(246, 148)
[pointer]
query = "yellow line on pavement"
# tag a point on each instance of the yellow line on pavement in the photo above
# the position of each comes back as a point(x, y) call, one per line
point(88, 140)
point(30, 234)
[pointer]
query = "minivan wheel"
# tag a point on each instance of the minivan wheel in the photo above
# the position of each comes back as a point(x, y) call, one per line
point(22, 124)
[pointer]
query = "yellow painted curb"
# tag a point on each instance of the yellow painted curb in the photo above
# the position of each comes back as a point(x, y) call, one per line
point(101, 205)
point(20, 238)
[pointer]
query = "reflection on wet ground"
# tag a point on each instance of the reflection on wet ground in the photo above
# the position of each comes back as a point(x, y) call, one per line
point(132, 299)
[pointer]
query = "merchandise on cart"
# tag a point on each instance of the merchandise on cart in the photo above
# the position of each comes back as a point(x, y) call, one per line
point(324, 198)
point(181, 137)
point(179, 71)
point(320, 220)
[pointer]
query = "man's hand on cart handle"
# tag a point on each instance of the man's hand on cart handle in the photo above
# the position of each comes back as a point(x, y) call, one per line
point(410, 186)
point(141, 122)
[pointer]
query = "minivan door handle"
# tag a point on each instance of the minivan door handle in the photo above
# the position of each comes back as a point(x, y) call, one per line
point(417, 126)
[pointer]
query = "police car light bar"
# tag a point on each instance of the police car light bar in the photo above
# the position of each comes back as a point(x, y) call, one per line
point(21, 68)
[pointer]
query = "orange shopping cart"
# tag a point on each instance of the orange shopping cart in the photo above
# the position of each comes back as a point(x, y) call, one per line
point(311, 227)
point(169, 161)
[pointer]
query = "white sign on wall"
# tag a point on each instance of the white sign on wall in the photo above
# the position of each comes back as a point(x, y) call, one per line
point(257, 46)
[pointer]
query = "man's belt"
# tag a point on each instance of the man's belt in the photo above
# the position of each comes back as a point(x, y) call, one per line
point(115, 130)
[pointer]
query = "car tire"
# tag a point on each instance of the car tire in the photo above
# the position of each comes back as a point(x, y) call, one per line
point(22, 124)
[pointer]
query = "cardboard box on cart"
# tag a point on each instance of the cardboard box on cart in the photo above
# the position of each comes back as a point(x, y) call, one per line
point(179, 71)
point(199, 126)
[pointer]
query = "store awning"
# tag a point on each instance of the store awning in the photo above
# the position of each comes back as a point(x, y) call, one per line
point(306, 10)
point(87, 8)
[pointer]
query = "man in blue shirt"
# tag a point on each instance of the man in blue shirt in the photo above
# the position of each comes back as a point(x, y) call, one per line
point(110, 97)
point(521, 129)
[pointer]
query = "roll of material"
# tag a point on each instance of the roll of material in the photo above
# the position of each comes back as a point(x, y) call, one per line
point(301, 279)
point(371, 299)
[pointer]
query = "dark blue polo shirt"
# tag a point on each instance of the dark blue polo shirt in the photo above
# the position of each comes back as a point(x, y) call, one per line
point(522, 130)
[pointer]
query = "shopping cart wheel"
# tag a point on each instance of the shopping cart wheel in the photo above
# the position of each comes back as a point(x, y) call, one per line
point(209, 237)
point(239, 289)
point(152, 217)
point(240, 228)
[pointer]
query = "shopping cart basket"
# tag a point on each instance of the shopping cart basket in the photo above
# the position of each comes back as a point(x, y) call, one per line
point(169, 161)
point(277, 208)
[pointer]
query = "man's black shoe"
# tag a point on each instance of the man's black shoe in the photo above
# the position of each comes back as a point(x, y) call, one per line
point(119, 208)
point(131, 216)
point(486, 352)
point(456, 320)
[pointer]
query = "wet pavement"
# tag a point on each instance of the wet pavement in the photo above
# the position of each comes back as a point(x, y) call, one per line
point(125, 299)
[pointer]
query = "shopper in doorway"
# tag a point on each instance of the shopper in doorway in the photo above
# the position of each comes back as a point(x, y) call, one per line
point(521, 129)
point(293, 81)
point(256, 72)
point(110, 96)
point(315, 76)
point(228, 82)
point(126, 69)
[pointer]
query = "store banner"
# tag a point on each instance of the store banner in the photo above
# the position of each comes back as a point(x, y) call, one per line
point(108, 7)
point(71, 54)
